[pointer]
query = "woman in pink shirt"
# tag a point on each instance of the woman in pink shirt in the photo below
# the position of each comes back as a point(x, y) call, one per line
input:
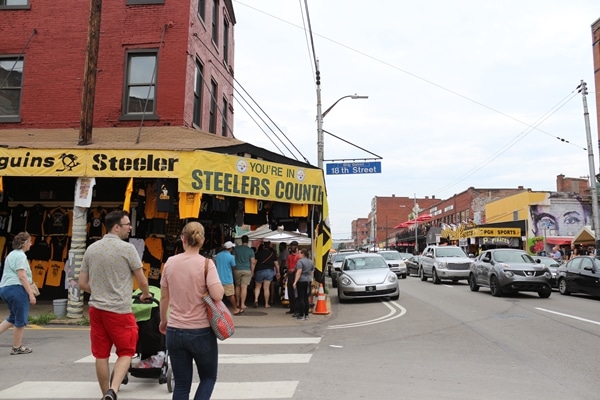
point(189, 336)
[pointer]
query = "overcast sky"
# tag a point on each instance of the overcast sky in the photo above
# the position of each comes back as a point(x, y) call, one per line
point(461, 93)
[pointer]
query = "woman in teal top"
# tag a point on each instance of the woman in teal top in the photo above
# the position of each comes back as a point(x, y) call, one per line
point(15, 291)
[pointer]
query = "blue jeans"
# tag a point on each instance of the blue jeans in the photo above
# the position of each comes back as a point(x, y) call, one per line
point(199, 345)
point(17, 300)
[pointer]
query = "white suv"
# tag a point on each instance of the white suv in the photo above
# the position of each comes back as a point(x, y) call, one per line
point(444, 262)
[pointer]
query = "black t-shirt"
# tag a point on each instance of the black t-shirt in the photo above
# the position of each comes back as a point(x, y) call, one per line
point(265, 259)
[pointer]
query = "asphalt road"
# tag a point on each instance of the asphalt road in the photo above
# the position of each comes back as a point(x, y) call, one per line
point(435, 342)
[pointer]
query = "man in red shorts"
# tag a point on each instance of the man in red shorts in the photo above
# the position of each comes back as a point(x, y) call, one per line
point(107, 272)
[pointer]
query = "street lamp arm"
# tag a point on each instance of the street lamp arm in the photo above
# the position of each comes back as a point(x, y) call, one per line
point(353, 96)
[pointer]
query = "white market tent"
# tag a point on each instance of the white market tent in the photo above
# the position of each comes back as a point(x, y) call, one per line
point(585, 236)
point(264, 233)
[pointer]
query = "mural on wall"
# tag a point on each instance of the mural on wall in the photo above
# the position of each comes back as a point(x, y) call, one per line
point(560, 214)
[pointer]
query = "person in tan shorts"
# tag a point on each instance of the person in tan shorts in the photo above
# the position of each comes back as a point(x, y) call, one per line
point(245, 261)
point(225, 262)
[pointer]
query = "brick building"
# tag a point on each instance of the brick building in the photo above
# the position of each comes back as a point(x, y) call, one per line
point(161, 62)
point(360, 232)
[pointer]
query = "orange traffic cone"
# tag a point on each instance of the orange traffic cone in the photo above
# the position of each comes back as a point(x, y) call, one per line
point(321, 307)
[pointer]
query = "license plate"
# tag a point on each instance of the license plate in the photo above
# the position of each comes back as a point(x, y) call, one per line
point(370, 288)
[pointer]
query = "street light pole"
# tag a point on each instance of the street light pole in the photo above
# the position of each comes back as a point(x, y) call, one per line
point(416, 215)
point(593, 177)
point(321, 115)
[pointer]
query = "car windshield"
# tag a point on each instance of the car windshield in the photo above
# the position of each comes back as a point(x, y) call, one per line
point(393, 255)
point(513, 256)
point(365, 263)
point(340, 257)
point(405, 256)
point(450, 252)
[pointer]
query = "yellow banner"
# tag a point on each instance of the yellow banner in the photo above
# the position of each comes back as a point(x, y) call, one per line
point(88, 162)
point(484, 232)
point(197, 171)
point(246, 177)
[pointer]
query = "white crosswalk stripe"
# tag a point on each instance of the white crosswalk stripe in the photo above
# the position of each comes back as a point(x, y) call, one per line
point(152, 390)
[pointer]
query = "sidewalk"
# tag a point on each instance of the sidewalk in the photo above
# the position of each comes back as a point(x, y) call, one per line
point(252, 317)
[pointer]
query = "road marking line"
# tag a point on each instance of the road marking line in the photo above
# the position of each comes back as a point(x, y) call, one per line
point(285, 358)
point(568, 316)
point(388, 317)
point(147, 391)
point(297, 340)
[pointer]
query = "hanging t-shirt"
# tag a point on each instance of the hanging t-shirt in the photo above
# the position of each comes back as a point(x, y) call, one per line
point(95, 222)
point(18, 219)
point(189, 205)
point(35, 219)
point(54, 272)
point(84, 191)
point(38, 272)
point(167, 194)
point(56, 221)
point(59, 247)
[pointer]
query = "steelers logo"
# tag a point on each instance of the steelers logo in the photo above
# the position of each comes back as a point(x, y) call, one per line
point(242, 166)
point(300, 175)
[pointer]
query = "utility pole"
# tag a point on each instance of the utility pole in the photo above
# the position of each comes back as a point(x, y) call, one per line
point(593, 177)
point(89, 80)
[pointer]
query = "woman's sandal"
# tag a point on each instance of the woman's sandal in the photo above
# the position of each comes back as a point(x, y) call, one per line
point(20, 350)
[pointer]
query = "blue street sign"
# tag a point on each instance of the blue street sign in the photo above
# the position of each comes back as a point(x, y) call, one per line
point(371, 167)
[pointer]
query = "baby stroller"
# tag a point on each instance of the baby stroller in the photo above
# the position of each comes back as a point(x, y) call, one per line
point(151, 358)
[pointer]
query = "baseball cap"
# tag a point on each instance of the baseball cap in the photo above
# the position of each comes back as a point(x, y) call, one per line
point(228, 245)
point(294, 243)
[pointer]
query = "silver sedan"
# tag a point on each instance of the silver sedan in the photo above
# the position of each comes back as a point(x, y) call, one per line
point(366, 275)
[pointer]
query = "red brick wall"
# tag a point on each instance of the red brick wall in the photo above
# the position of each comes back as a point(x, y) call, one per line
point(55, 57)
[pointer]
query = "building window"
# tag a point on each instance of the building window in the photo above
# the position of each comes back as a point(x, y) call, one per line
point(225, 126)
point(19, 4)
point(198, 85)
point(225, 41)
point(140, 85)
point(202, 9)
point(11, 80)
point(212, 122)
point(215, 22)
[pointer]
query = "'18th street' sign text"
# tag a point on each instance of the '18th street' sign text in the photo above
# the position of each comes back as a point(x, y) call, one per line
point(372, 167)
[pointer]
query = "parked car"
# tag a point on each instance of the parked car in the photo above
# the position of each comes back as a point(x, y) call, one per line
point(510, 270)
point(552, 265)
point(366, 275)
point(336, 262)
point(444, 262)
point(395, 261)
point(413, 265)
point(580, 275)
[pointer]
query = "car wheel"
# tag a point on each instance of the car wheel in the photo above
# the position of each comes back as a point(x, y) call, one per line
point(342, 300)
point(422, 275)
point(333, 281)
point(404, 276)
point(495, 287)
point(395, 297)
point(545, 293)
point(562, 287)
point(434, 277)
point(473, 283)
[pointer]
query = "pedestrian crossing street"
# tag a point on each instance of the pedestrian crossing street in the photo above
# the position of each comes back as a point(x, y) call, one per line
point(152, 390)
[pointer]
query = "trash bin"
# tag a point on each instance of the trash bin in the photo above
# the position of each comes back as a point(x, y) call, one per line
point(60, 307)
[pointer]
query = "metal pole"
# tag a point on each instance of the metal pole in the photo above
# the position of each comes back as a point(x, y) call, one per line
point(416, 215)
point(593, 180)
point(320, 144)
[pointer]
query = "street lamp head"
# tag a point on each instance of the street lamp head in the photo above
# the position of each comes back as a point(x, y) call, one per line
point(355, 96)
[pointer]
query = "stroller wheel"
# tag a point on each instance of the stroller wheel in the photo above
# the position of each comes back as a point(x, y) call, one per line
point(170, 380)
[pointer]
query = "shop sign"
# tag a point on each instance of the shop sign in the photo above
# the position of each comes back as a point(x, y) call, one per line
point(246, 177)
point(500, 241)
point(482, 232)
point(196, 171)
point(88, 162)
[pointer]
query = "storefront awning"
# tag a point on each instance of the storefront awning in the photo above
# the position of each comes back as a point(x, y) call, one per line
point(559, 240)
